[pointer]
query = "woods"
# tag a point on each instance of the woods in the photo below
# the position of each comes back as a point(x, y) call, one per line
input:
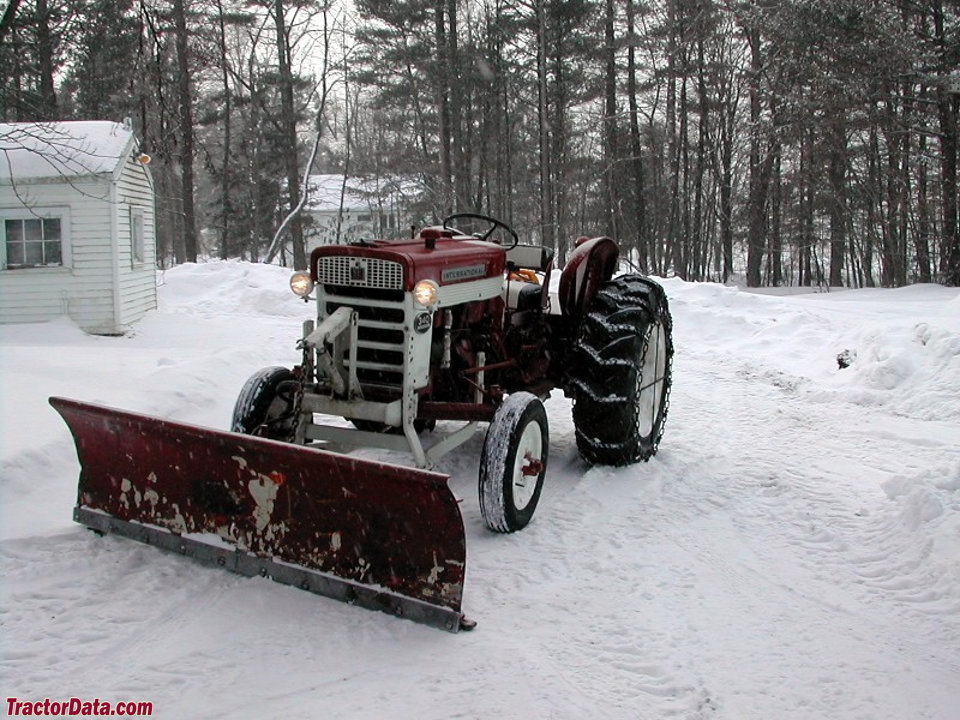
point(804, 142)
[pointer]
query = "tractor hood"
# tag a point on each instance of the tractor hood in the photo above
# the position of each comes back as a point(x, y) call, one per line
point(435, 255)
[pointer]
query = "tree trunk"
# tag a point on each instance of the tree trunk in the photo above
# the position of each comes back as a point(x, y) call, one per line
point(557, 102)
point(6, 20)
point(923, 215)
point(226, 209)
point(874, 210)
point(443, 110)
point(48, 96)
point(288, 122)
point(756, 204)
point(905, 183)
point(948, 106)
point(726, 198)
point(699, 226)
point(546, 209)
point(459, 142)
point(672, 250)
point(610, 122)
point(185, 99)
point(806, 209)
point(776, 237)
point(894, 270)
point(837, 173)
point(639, 184)
point(682, 247)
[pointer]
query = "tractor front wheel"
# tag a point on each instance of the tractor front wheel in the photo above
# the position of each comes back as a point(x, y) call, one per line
point(265, 405)
point(514, 463)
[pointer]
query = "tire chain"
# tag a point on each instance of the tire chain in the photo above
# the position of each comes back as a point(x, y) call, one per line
point(663, 310)
point(658, 296)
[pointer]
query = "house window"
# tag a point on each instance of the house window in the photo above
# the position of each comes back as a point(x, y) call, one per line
point(33, 240)
point(136, 237)
point(363, 218)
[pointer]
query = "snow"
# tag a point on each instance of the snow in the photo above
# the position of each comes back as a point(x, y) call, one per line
point(60, 150)
point(793, 550)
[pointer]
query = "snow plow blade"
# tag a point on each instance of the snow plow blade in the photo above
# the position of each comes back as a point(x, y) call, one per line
point(380, 536)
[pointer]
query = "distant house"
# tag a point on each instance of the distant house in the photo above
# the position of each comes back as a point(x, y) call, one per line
point(363, 209)
point(76, 225)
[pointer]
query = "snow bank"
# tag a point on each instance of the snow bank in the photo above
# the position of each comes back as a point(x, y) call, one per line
point(905, 343)
point(230, 287)
point(909, 368)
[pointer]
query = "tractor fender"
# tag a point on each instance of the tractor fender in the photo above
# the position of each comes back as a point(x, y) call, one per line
point(588, 268)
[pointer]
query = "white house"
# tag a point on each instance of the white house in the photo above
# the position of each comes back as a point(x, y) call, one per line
point(76, 225)
point(364, 209)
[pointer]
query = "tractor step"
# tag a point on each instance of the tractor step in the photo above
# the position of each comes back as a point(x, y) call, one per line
point(380, 536)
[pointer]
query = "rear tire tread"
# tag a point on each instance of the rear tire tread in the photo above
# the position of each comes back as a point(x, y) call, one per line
point(609, 358)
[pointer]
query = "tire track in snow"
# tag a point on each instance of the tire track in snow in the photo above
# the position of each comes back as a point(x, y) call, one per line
point(625, 538)
point(835, 466)
point(815, 510)
point(579, 549)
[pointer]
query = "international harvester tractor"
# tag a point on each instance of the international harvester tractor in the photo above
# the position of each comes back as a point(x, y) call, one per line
point(414, 344)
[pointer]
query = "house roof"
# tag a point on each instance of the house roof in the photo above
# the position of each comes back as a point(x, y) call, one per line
point(61, 151)
point(359, 195)
point(324, 194)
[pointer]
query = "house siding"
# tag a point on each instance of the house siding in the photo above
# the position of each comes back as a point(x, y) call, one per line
point(98, 298)
point(83, 288)
point(136, 281)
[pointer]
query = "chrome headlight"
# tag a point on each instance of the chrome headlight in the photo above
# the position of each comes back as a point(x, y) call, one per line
point(425, 293)
point(301, 284)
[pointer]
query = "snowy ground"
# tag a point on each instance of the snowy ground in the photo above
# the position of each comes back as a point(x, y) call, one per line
point(793, 551)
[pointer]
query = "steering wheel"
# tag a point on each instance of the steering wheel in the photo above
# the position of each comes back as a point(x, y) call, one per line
point(494, 224)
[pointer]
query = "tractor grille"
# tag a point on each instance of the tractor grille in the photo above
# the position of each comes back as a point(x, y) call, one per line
point(360, 272)
point(381, 340)
point(374, 288)
point(374, 314)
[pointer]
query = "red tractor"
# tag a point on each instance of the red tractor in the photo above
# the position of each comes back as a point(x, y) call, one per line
point(415, 342)
point(450, 326)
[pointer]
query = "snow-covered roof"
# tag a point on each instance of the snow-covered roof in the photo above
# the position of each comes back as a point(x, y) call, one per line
point(30, 152)
point(359, 195)
point(324, 194)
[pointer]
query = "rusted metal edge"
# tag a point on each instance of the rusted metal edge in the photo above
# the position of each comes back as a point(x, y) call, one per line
point(249, 565)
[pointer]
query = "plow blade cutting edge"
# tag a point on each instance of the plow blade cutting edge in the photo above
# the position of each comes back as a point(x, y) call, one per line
point(381, 536)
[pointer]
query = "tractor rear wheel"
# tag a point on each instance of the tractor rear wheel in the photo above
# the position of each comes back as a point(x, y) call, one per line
point(265, 405)
point(514, 463)
point(622, 372)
